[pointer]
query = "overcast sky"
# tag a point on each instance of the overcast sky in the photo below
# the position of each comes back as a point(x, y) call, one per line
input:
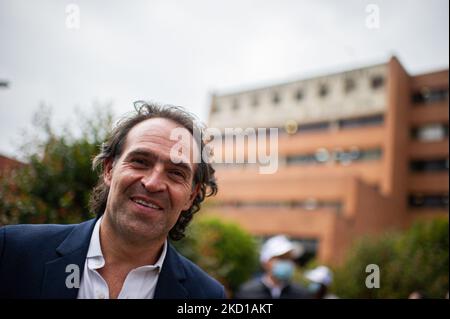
point(179, 52)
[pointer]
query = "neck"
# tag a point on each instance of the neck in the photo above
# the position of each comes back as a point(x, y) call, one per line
point(119, 251)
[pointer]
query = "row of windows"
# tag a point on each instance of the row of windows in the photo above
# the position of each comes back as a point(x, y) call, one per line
point(428, 201)
point(292, 127)
point(354, 155)
point(309, 204)
point(427, 95)
point(373, 120)
point(323, 90)
point(343, 157)
point(313, 127)
point(414, 201)
point(362, 121)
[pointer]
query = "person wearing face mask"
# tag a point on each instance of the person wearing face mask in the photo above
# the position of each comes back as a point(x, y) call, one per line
point(320, 279)
point(276, 259)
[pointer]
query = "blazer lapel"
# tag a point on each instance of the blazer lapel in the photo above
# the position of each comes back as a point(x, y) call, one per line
point(72, 252)
point(170, 281)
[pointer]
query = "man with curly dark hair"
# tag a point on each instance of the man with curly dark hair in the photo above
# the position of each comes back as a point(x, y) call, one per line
point(151, 183)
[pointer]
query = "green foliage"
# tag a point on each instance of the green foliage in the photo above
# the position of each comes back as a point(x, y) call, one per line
point(55, 184)
point(416, 260)
point(222, 249)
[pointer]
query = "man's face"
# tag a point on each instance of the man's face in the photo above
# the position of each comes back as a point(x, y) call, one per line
point(281, 268)
point(147, 190)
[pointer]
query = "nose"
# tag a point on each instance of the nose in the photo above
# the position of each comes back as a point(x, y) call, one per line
point(153, 180)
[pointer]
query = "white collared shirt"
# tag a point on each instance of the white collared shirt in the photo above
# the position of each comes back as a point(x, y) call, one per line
point(140, 282)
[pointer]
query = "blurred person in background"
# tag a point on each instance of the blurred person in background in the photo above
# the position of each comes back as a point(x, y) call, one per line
point(277, 260)
point(321, 278)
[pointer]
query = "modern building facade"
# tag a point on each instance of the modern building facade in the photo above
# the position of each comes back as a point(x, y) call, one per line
point(359, 152)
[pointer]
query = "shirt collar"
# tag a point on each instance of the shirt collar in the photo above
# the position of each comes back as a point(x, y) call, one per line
point(95, 258)
point(270, 284)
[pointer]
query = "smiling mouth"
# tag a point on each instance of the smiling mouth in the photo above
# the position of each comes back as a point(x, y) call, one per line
point(145, 203)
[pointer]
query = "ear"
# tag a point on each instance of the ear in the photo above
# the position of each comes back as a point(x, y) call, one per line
point(267, 265)
point(193, 195)
point(107, 171)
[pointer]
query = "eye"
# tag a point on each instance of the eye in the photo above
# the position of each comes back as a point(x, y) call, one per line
point(177, 174)
point(139, 162)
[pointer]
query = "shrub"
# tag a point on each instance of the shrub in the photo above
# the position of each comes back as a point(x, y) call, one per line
point(55, 183)
point(222, 249)
point(416, 260)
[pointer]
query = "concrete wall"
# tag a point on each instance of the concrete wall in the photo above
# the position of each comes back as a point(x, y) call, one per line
point(363, 100)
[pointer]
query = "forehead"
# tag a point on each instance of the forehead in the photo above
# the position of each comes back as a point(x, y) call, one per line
point(160, 135)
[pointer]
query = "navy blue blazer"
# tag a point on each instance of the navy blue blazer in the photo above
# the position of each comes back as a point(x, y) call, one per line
point(33, 261)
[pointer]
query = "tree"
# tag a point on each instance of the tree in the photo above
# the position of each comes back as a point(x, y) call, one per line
point(55, 185)
point(416, 260)
point(222, 249)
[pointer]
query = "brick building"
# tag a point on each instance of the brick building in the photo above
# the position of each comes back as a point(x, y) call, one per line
point(360, 152)
point(7, 164)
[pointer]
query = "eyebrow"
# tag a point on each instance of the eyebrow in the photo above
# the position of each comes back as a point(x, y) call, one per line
point(152, 155)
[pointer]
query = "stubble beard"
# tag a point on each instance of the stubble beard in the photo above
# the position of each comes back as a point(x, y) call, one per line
point(133, 228)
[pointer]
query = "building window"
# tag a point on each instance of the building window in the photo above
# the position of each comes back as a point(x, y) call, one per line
point(437, 165)
point(349, 85)
point(308, 204)
point(301, 159)
point(428, 201)
point(299, 95)
point(313, 127)
point(431, 132)
point(362, 121)
point(322, 155)
point(344, 157)
point(255, 101)
point(427, 95)
point(355, 155)
point(276, 98)
point(323, 90)
point(235, 105)
point(371, 155)
point(214, 108)
point(377, 82)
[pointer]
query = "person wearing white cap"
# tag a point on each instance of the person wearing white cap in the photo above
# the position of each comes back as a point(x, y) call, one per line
point(321, 278)
point(276, 259)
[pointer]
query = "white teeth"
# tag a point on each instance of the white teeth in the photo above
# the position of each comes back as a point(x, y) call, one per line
point(146, 204)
